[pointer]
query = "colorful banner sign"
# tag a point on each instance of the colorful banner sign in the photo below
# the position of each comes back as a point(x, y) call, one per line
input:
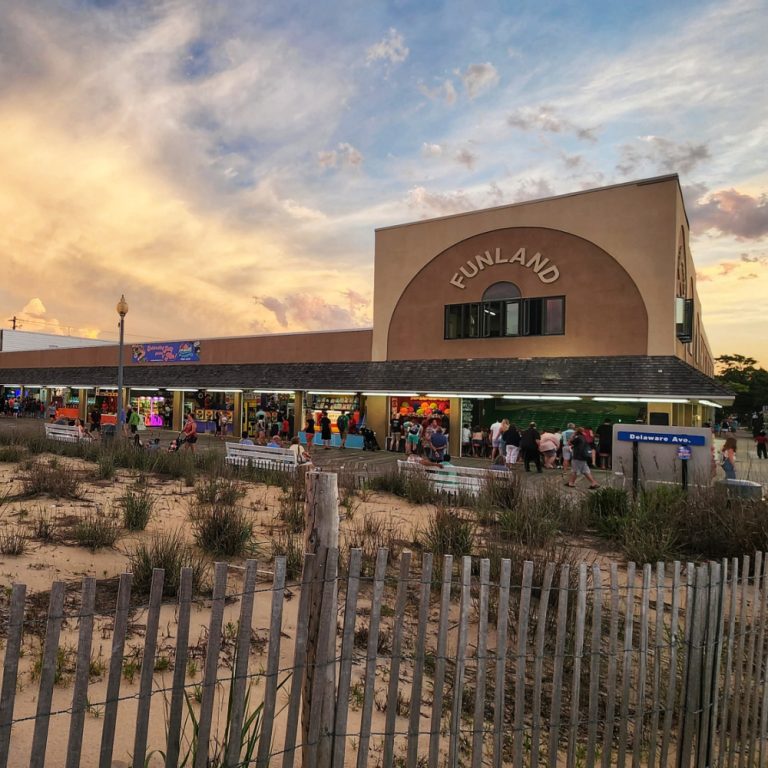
point(172, 352)
point(661, 437)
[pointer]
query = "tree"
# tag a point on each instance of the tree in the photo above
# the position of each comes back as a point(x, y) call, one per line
point(750, 382)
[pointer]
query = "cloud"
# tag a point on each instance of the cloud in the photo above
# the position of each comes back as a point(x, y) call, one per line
point(532, 189)
point(703, 277)
point(305, 311)
point(545, 118)
point(391, 48)
point(442, 203)
point(467, 158)
point(732, 213)
point(573, 161)
point(431, 150)
point(750, 276)
point(302, 212)
point(445, 92)
point(34, 317)
point(356, 300)
point(34, 308)
point(344, 156)
point(478, 78)
point(754, 258)
point(279, 308)
point(663, 155)
point(727, 266)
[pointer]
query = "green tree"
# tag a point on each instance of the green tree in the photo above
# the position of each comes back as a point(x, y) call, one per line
point(750, 383)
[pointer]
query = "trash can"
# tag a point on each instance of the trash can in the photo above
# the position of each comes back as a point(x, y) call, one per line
point(108, 432)
point(740, 489)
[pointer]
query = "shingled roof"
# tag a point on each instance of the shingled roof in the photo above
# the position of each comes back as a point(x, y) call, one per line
point(666, 376)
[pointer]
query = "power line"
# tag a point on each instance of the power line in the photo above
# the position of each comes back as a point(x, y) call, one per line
point(19, 323)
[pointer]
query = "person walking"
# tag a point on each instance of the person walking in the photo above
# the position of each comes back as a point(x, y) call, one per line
point(605, 443)
point(728, 458)
point(342, 424)
point(581, 453)
point(190, 433)
point(325, 430)
point(495, 432)
point(565, 440)
point(309, 431)
point(529, 447)
point(760, 442)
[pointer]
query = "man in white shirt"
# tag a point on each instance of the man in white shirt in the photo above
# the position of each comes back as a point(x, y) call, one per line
point(495, 438)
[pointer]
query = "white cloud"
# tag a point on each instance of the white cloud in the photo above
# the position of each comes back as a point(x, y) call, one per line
point(445, 92)
point(391, 48)
point(431, 150)
point(467, 158)
point(344, 156)
point(478, 78)
point(662, 155)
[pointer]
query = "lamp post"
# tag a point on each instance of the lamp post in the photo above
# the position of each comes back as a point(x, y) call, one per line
point(122, 310)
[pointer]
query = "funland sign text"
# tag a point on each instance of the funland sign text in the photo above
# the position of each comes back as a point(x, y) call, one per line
point(545, 271)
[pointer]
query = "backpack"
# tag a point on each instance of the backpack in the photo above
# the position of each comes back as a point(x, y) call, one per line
point(341, 423)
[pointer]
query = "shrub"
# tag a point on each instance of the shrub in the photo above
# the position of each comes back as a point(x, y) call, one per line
point(170, 552)
point(370, 534)
point(291, 509)
point(13, 541)
point(49, 478)
point(44, 526)
point(607, 509)
point(447, 533)
point(95, 530)
point(500, 489)
point(219, 491)
point(224, 531)
point(291, 547)
point(137, 504)
point(11, 453)
point(105, 467)
point(388, 482)
point(418, 489)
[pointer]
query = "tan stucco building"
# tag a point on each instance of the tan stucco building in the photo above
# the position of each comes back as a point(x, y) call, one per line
point(586, 298)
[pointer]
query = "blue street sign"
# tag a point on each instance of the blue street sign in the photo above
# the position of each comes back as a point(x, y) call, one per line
point(661, 438)
point(683, 453)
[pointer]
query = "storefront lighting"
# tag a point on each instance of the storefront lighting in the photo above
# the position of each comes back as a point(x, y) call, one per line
point(144, 389)
point(329, 392)
point(640, 399)
point(223, 390)
point(14, 386)
point(474, 397)
point(389, 394)
point(710, 403)
point(183, 389)
point(561, 398)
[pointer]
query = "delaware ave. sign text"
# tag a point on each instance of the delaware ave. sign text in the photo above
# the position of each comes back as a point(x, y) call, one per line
point(546, 271)
point(661, 437)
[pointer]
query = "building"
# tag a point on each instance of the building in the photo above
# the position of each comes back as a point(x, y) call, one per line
point(12, 340)
point(570, 308)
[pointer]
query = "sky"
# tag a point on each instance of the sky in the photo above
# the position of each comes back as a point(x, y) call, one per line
point(224, 164)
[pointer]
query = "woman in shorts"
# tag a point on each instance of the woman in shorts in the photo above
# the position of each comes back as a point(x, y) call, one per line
point(309, 431)
point(413, 435)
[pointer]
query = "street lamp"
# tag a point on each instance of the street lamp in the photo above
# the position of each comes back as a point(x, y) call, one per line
point(122, 310)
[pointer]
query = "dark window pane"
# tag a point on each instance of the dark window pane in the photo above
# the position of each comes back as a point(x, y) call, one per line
point(555, 316)
point(474, 324)
point(492, 318)
point(453, 314)
point(512, 319)
point(502, 290)
point(534, 317)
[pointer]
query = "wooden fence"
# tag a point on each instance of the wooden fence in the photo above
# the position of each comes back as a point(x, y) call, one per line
point(423, 664)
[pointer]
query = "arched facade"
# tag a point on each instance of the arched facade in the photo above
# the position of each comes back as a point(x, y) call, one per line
point(574, 299)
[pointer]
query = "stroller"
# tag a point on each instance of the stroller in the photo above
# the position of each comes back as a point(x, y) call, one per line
point(176, 443)
point(370, 443)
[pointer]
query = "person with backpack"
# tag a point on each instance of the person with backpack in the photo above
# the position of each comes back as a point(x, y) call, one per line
point(581, 453)
point(342, 424)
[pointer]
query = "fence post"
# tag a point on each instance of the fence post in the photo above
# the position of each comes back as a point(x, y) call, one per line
point(321, 537)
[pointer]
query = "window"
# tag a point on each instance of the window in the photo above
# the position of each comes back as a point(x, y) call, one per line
point(506, 318)
point(684, 319)
point(503, 290)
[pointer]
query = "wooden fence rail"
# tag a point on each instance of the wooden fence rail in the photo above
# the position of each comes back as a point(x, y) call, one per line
point(464, 662)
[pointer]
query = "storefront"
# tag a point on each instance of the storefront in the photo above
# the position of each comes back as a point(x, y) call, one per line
point(266, 411)
point(154, 406)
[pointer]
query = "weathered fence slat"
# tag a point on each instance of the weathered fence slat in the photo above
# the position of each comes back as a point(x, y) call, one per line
point(674, 642)
point(319, 735)
point(738, 666)
point(502, 642)
point(712, 619)
point(47, 675)
point(642, 669)
point(396, 658)
point(148, 668)
point(211, 665)
point(557, 674)
point(369, 692)
point(115, 670)
point(273, 663)
point(523, 612)
point(759, 663)
point(478, 722)
point(594, 661)
point(538, 666)
point(440, 662)
point(179, 672)
point(578, 654)
point(746, 692)
point(461, 660)
point(626, 665)
point(299, 662)
point(11, 668)
point(658, 635)
point(722, 752)
point(613, 646)
point(240, 672)
point(414, 719)
point(717, 690)
point(347, 648)
point(82, 673)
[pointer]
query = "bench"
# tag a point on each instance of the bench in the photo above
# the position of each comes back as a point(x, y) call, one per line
point(451, 479)
point(62, 432)
point(262, 456)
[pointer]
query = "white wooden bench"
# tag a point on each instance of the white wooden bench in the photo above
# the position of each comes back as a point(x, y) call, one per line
point(282, 459)
point(62, 432)
point(451, 479)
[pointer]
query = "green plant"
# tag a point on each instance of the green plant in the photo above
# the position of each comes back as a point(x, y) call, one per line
point(291, 509)
point(224, 531)
point(105, 467)
point(137, 504)
point(11, 453)
point(162, 663)
point(291, 547)
point(447, 532)
point(219, 491)
point(13, 541)
point(44, 526)
point(95, 530)
point(49, 478)
point(370, 534)
point(170, 552)
point(608, 509)
point(66, 662)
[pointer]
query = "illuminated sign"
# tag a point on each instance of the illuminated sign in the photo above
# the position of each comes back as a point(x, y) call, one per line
point(172, 352)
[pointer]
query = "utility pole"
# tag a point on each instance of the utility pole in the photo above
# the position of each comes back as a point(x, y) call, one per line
point(13, 320)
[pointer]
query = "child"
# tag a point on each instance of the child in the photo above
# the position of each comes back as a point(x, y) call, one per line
point(762, 449)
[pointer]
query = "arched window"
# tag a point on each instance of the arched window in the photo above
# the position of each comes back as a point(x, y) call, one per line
point(501, 291)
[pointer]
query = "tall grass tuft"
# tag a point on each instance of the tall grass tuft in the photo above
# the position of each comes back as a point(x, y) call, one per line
point(137, 504)
point(11, 453)
point(220, 525)
point(170, 552)
point(13, 541)
point(95, 530)
point(290, 546)
point(447, 532)
point(49, 478)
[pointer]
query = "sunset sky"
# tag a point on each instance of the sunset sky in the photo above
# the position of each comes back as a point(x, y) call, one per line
point(224, 164)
